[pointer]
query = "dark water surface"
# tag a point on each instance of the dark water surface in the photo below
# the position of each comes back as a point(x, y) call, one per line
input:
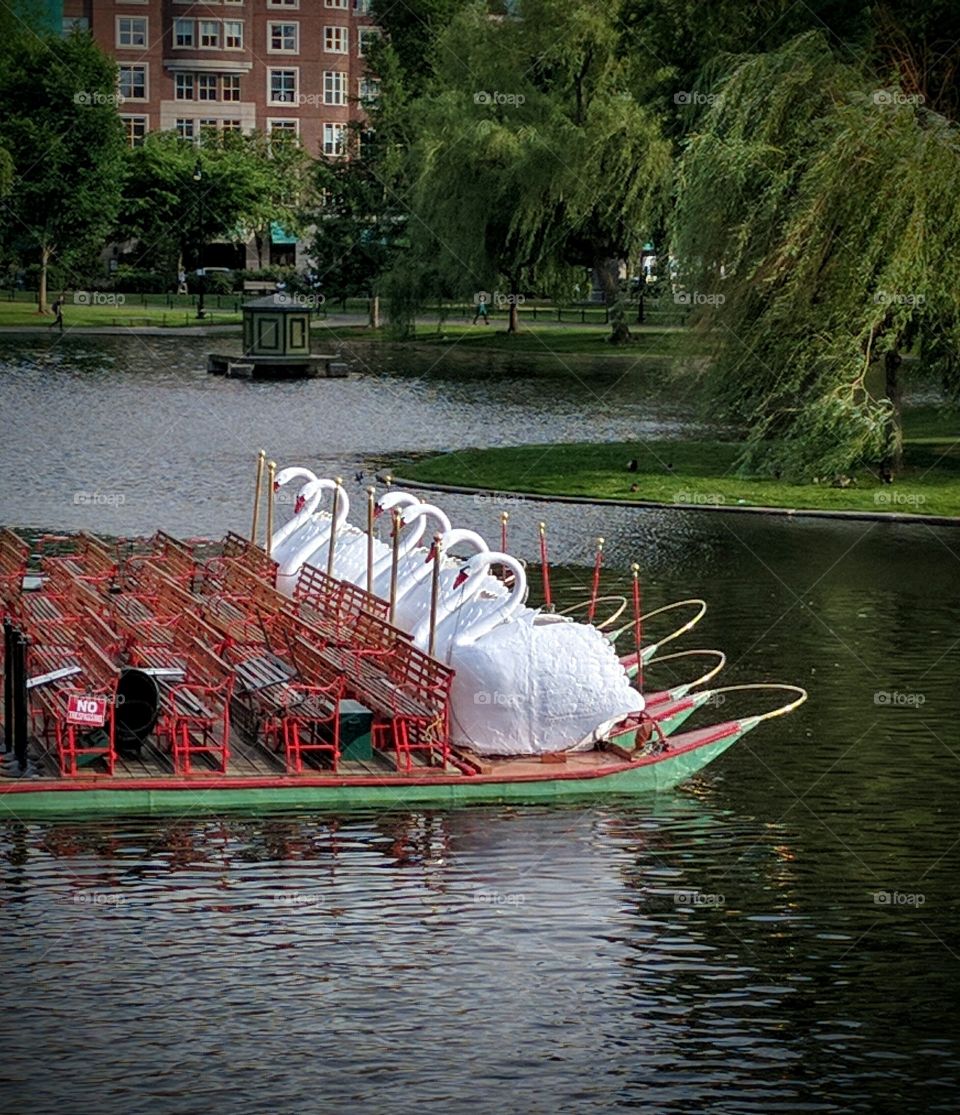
point(780, 934)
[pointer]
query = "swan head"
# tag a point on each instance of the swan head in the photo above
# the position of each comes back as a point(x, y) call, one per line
point(424, 510)
point(285, 475)
point(391, 500)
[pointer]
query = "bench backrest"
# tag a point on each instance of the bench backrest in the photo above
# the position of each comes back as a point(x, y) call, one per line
point(252, 557)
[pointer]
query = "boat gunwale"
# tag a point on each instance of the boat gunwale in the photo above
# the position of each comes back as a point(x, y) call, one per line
point(215, 781)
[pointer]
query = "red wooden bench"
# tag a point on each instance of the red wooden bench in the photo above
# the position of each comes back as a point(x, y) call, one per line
point(14, 558)
point(48, 702)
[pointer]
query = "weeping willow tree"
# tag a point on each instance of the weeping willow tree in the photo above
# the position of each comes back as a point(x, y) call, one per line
point(531, 160)
point(815, 231)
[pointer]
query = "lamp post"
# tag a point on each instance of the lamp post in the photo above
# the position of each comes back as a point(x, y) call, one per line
point(201, 274)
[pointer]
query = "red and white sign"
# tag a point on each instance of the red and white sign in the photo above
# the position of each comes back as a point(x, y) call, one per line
point(89, 711)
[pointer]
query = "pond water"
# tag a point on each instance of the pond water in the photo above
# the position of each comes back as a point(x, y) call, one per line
point(777, 935)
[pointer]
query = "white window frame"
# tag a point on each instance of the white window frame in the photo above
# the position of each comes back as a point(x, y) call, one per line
point(295, 49)
point(295, 70)
point(201, 45)
point(338, 83)
point(283, 5)
point(343, 5)
point(365, 33)
point(185, 78)
point(145, 67)
point(145, 20)
point(234, 80)
point(128, 121)
point(192, 45)
point(328, 33)
point(282, 124)
point(368, 98)
point(335, 130)
point(234, 23)
point(193, 128)
point(362, 7)
point(207, 81)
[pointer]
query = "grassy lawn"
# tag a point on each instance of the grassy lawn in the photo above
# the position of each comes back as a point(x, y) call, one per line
point(132, 312)
point(537, 340)
point(702, 472)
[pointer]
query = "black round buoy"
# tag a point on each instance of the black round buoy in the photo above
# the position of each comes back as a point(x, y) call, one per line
point(138, 706)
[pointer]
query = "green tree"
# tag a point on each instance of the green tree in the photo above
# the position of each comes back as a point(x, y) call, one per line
point(816, 228)
point(64, 142)
point(531, 156)
point(172, 214)
point(285, 190)
point(359, 230)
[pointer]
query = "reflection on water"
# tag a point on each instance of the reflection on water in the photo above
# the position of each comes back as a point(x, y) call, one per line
point(780, 934)
point(669, 953)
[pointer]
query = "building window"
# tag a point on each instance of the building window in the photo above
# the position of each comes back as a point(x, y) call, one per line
point(283, 3)
point(366, 37)
point(337, 3)
point(232, 126)
point(131, 31)
point(369, 89)
point(136, 129)
point(185, 128)
point(233, 34)
point(362, 7)
point(334, 139)
point(133, 82)
point(283, 87)
point(206, 87)
point(284, 37)
point(231, 87)
point(335, 40)
point(334, 87)
point(210, 33)
point(183, 88)
point(184, 32)
point(289, 129)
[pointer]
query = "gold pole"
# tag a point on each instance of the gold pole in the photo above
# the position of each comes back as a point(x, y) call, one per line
point(435, 592)
point(331, 549)
point(397, 516)
point(387, 480)
point(371, 509)
point(261, 459)
point(271, 474)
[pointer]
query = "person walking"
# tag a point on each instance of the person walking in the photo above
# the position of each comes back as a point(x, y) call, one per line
point(57, 308)
point(481, 310)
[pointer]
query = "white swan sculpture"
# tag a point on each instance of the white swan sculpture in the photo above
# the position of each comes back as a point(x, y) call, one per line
point(523, 688)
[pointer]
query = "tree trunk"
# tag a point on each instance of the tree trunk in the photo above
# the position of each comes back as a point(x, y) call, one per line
point(258, 241)
point(891, 367)
point(42, 292)
point(375, 311)
point(513, 319)
point(608, 274)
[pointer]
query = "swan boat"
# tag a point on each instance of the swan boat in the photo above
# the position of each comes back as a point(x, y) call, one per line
point(208, 684)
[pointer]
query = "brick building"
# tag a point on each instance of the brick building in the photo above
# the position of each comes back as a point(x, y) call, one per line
point(296, 65)
point(292, 65)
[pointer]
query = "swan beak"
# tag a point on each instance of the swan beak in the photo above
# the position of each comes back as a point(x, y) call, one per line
point(377, 511)
point(299, 505)
point(276, 485)
point(431, 556)
point(460, 578)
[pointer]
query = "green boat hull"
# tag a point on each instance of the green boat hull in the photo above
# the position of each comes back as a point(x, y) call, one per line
point(34, 801)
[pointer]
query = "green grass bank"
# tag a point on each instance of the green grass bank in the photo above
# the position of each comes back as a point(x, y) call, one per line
point(703, 472)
